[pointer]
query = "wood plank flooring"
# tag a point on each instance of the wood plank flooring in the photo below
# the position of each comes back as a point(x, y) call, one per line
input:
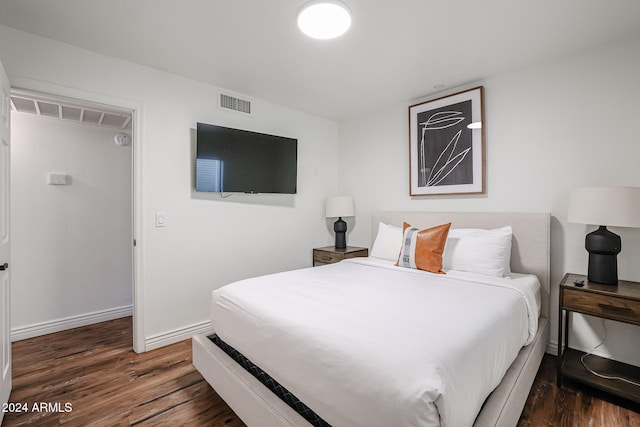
point(95, 370)
point(573, 405)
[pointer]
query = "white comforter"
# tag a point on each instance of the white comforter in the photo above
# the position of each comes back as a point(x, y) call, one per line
point(364, 343)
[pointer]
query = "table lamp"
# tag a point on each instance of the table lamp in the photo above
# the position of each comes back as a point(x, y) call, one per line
point(604, 206)
point(339, 206)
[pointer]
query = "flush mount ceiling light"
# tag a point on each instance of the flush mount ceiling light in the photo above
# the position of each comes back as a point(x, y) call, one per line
point(324, 19)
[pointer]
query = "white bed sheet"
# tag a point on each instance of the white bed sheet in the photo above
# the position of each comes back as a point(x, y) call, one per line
point(365, 343)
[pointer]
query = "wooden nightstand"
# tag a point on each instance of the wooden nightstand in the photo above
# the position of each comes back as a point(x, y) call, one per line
point(620, 303)
point(331, 254)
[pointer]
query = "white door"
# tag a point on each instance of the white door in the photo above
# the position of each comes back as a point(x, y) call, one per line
point(5, 318)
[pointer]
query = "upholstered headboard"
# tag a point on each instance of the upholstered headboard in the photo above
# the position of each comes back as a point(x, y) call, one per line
point(530, 243)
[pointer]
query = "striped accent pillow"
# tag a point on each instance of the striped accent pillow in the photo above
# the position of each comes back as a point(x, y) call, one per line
point(423, 249)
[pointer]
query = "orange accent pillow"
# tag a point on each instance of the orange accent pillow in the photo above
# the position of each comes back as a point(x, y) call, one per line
point(423, 249)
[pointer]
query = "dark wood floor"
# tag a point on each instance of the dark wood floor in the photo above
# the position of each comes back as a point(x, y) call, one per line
point(95, 370)
point(572, 405)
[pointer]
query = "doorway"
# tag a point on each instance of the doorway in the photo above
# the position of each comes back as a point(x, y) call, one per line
point(73, 187)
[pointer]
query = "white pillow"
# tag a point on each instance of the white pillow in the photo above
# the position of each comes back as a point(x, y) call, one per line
point(388, 242)
point(479, 251)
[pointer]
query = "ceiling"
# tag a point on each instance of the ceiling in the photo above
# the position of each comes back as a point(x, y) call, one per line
point(396, 51)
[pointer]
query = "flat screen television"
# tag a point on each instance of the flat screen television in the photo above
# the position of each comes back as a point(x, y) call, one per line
point(240, 161)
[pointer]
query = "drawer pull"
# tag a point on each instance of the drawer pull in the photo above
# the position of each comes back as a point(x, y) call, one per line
point(612, 309)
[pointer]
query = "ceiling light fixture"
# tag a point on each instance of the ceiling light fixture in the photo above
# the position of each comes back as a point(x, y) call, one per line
point(324, 19)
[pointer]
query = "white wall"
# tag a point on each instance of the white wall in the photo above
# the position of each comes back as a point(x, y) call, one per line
point(549, 128)
point(207, 242)
point(71, 244)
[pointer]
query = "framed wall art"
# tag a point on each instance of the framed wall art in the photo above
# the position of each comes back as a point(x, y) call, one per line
point(446, 140)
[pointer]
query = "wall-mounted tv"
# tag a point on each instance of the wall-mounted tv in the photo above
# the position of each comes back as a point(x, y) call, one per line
point(240, 161)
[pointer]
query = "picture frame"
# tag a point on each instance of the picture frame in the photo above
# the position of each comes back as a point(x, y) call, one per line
point(446, 145)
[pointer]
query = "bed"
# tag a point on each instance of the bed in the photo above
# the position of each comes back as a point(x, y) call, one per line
point(258, 406)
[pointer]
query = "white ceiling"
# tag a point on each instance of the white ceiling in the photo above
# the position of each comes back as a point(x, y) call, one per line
point(396, 50)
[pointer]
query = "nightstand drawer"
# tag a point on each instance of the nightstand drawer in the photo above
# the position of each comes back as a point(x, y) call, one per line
point(331, 254)
point(326, 257)
point(356, 254)
point(610, 307)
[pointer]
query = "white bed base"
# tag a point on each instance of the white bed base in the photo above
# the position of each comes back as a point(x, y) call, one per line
point(257, 406)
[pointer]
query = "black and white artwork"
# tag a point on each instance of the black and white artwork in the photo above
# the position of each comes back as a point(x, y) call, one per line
point(446, 145)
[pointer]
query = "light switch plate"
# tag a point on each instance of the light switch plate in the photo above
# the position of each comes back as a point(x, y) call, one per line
point(161, 219)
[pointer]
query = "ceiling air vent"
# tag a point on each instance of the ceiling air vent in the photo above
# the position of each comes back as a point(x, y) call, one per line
point(229, 102)
point(69, 109)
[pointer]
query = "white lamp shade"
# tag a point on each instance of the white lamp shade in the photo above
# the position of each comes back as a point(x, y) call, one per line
point(610, 206)
point(339, 206)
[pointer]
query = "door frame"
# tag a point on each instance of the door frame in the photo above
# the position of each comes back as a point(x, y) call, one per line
point(6, 372)
point(21, 83)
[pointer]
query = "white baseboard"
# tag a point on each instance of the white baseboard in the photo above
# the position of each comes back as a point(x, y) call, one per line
point(180, 334)
point(51, 326)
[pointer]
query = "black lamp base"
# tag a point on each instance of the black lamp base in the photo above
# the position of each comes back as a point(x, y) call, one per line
point(603, 247)
point(340, 227)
